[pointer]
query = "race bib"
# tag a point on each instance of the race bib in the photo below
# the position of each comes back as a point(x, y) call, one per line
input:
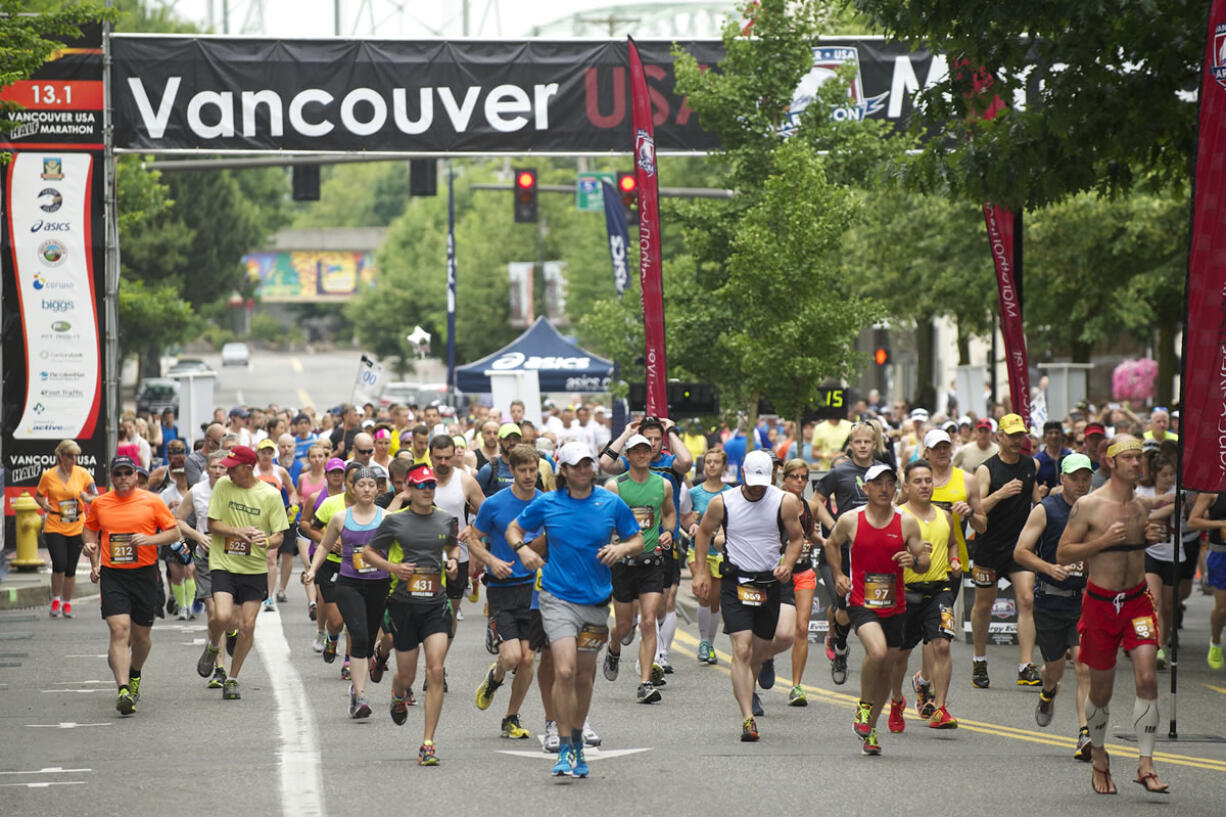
point(1077, 569)
point(123, 552)
point(68, 510)
point(983, 576)
point(1143, 626)
point(359, 564)
point(947, 620)
point(879, 589)
point(237, 547)
point(592, 638)
point(425, 585)
point(806, 550)
point(751, 595)
point(645, 516)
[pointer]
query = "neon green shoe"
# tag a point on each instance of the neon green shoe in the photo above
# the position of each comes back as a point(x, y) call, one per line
point(1215, 656)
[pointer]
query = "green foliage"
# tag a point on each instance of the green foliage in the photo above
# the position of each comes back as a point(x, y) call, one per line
point(267, 328)
point(217, 336)
point(152, 317)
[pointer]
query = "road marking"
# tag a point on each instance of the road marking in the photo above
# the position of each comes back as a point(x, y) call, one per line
point(103, 655)
point(238, 397)
point(68, 725)
point(304, 399)
point(295, 364)
point(79, 683)
point(51, 770)
point(46, 785)
point(78, 691)
point(588, 753)
point(301, 783)
point(1217, 689)
point(998, 730)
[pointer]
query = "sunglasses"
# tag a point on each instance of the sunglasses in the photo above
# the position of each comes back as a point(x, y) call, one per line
point(424, 486)
point(364, 450)
point(125, 472)
point(1080, 441)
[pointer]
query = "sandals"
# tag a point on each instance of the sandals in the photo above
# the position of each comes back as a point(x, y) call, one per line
point(1158, 786)
point(1106, 773)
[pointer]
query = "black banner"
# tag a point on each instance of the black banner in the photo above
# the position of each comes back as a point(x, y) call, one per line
point(474, 96)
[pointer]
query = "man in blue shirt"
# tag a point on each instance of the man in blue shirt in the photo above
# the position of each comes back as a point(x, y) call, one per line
point(303, 437)
point(496, 474)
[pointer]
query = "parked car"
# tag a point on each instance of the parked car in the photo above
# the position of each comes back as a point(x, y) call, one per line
point(235, 354)
point(156, 394)
point(188, 364)
point(418, 394)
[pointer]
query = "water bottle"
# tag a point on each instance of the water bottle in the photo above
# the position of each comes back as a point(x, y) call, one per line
point(182, 551)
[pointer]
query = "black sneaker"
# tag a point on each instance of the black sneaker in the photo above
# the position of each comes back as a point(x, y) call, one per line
point(657, 675)
point(838, 668)
point(330, 648)
point(124, 703)
point(611, 662)
point(1046, 705)
point(378, 666)
point(766, 675)
point(229, 692)
point(979, 674)
point(400, 709)
point(755, 706)
point(219, 678)
point(648, 694)
point(1029, 676)
point(231, 640)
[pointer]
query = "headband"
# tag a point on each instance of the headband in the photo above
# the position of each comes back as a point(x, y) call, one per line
point(1122, 446)
point(382, 434)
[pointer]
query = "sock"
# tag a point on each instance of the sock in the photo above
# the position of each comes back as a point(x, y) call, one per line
point(1096, 722)
point(983, 658)
point(189, 592)
point(708, 623)
point(921, 681)
point(563, 743)
point(134, 674)
point(1145, 722)
point(176, 590)
point(1022, 667)
point(123, 687)
point(667, 631)
point(56, 598)
point(841, 631)
point(576, 737)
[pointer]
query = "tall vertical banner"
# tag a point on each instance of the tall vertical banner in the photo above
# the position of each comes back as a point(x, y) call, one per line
point(451, 279)
point(1203, 385)
point(1001, 238)
point(619, 236)
point(650, 277)
point(52, 267)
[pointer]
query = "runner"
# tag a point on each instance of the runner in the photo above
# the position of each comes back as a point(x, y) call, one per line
point(195, 508)
point(458, 495)
point(417, 548)
point(267, 470)
point(123, 530)
point(752, 517)
point(334, 484)
point(1108, 530)
point(246, 520)
point(1007, 489)
point(578, 520)
point(804, 577)
point(328, 571)
point(714, 462)
point(182, 577)
point(1209, 513)
point(63, 493)
point(882, 542)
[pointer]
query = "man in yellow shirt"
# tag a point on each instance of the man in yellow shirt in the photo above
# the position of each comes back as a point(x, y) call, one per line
point(829, 438)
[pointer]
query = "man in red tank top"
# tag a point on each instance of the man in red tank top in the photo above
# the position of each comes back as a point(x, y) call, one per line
point(882, 542)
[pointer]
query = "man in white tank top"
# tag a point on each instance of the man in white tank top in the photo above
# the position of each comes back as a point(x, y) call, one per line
point(459, 495)
point(750, 597)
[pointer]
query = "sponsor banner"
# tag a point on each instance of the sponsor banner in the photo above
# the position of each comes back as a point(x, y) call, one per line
point(555, 292)
point(650, 278)
point(1001, 241)
point(309, 275)
point(1203, 395)
point(62, 102)
point(251, 94)
point(619, 237)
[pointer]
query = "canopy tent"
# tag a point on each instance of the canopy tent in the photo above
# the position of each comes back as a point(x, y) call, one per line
point(560, 364)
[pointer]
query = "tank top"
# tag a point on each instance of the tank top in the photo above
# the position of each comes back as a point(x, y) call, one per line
point(1057, 511)
point(805, 561)
point(272, 479)
point(751, 530)
point(450, 498)
point(354, 537)
point(936, 534)
point(1217, 511)
point(944, 496)
point(202, 491)
point(1007, 519)
point(876, 579)
point(310, 489)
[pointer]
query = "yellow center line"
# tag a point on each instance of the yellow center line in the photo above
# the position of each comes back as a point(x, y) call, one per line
point(999, 730)
point(295, 364)
point(304, 399)
point(1217, 689)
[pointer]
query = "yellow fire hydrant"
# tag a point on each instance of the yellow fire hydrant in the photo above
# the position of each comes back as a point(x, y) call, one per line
point(28, 524)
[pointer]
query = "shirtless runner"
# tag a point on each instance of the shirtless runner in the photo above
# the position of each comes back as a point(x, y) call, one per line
point(1109, 530)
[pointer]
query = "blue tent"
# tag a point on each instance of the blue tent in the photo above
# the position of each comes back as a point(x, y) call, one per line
point(561, 365)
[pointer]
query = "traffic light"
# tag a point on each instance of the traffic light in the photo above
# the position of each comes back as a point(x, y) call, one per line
point(628, 189)
point(525, 195)
point(306, 182)
point(423, 177)
point(881, 355)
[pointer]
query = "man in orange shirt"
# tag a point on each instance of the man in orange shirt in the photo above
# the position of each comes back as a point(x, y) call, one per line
point(123, 531)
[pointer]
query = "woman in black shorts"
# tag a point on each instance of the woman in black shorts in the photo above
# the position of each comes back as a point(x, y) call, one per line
point(64, 492)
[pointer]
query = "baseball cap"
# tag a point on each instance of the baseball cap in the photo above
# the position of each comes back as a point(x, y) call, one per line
point(266, 443)
point(935, 437)
point(240, 455)
point(950, 426)
point(420, 474)
point(335, 464)
point(1053, 425)
point(507, 429)
point(1075, 462)
point(965, 420)
point(142, 471)
point(984, 423)
point(878, 470)
point(1095, 428)
point(122, 462)
point(920, 414)
point(637, 439)
point(1012, 424)
point(758, 467)
point(239, 411)
point(573, 453)
point(299, 417)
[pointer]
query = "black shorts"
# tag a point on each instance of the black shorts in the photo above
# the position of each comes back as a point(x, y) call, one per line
point(65, 552)
point(672, 567)
point(1162, 569)
point(129, 591)
point(632, 581)
point(1001, 562)
point(924, 615)
point(244, 587)
point(413, 622)
point(361, 603)
point(1055, 630)
point(326, 578)
point(511, 611)
point(289, 543)
point(762, 619)
point(537, 639)
point(787, 593)
point(893, 626)
point(456, 587)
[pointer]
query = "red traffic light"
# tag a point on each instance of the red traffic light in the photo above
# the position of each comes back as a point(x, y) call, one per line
point(525, 179)
point(881, 356)
point(628, 183)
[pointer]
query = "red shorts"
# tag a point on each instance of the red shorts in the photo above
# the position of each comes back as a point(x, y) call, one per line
point(1127, 620)
point(805, 581)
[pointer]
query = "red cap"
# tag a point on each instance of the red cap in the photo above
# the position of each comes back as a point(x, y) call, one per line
point(420, 474)
point(1096, 428)
point(240, 455)
point(984, 423)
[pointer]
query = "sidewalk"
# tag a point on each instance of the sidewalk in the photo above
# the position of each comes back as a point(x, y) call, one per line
point(32, 588)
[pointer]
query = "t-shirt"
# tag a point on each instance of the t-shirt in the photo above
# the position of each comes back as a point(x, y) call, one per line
point(420, 539)
point(970, 456)
point(1049, 467)
point(577, 529)
point(844, 484)
point(302, 447)
point(65, 497)
point(493, 483)
point(258, 506)
point(116, 518)
point(171, 496)
point(646, 500)
point(701, 497)
point(734, 448)
point(828, 440)
point(495, 514)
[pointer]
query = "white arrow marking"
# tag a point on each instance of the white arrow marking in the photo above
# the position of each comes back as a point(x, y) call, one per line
point(50, 770)
point(68, 725)
point(589, 754)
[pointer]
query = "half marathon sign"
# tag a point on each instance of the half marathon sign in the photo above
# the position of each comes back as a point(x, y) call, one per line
point(470, 96)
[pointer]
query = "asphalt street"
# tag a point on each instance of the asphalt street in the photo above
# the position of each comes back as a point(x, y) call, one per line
point(289, 748)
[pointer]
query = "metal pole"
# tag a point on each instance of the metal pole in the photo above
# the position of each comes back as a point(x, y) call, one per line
point(110, 217)
point(451, 280)
point(1176, 614)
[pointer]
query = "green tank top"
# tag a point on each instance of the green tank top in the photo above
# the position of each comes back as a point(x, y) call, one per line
point(646, 499)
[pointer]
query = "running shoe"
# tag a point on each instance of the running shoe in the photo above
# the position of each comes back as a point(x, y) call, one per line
point(1214, 658)
point(755, 706)
point(860, 721)
point(566, 762)
point(870, 746)
point(1160, 658)
point(67, 608)
point(281, 597)
point(897, 721)
point(838, 668)
point(378, 666)
point(182, 613)
point(425, 683)
point(766, 675)
point(486, 689)
point(231, 640)
point(229, 692)
point(590, 738)
point(399, 709)
point(829, 649)
point(1083, 746)
point(628, 638)
point(360, 708)
point(797, 697)
point(1045, 707)
point(712, 659)
point(491, 637)
point(475, 595)
point(312, 611)
point(611, 662)
point(329, 650)
point(657, 675)
point(197, 608)
point(511, 728)
point(346, 674)
point(925, 701)
point(410, 698)
point(979, 674)
point(704, 651)
point(134, 685)
point(459, 615)
point(206, 661)
point(218, 680)
point(124, 703)
point(941, 719)
point(664, 665)
point(426, 756)
point(579, 769)
point(319, 643)
point(56, 606)
point(648, 694)
point(1029, 676)
point(269, 605)
point(749, 731)
point(552, 741)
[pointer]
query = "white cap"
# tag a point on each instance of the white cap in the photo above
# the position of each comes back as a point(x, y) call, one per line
point(935, 437)
point(920, 414)
point(637, 439)
point(877, 470)
point(965, 420)
point(573, 453)
point(758, 467)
